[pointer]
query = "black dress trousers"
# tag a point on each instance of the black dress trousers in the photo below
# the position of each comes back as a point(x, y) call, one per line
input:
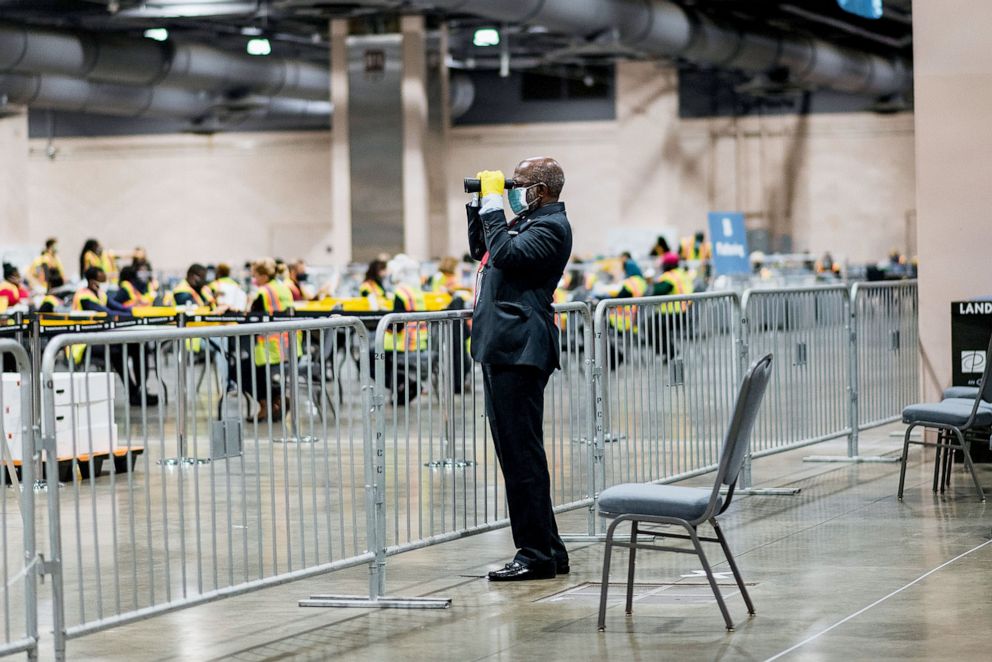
point(515, 407)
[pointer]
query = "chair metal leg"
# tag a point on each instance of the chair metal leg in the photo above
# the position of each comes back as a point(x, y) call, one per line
point(606, 575)
point(733, 566)
point(709, 576)
point(948, 464)
point(937, 460)
point(905, 459)
point(630, 569)
point(965, 451)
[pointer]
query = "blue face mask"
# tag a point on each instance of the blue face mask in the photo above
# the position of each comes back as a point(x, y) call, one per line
point(518, 199)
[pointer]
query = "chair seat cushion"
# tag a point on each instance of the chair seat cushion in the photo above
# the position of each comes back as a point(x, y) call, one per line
point(688, 503)
point(947, 412)
point(968, 392)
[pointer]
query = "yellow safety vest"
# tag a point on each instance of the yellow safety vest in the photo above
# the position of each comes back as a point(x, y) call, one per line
point(442, 282)
point(272, 348)
point(83, 294)
point(45, 263)
point(681, 284)
point(622, 318)
point(413, 336)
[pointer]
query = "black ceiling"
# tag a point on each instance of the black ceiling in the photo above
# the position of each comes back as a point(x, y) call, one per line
point(297, 28)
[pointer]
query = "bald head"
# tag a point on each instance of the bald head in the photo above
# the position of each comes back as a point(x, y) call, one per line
point(541, 170)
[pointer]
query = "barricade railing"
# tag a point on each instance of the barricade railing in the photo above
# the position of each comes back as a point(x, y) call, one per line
point(250, 466)
point(886, 349)
point(439, 478)
point(250, 454)
point(808, 396)
point(666, 374)
point(18, 553)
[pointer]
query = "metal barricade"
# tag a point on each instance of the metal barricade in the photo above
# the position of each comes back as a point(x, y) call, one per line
point(250, 466)
point(666, 375)
point(808, 399)
point(18, 599)
point(438, 477)
point(886, 358)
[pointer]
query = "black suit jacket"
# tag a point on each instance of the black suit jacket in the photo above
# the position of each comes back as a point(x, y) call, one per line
point(513, 322)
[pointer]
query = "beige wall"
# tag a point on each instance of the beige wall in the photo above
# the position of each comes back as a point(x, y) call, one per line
point(13, 180)
point(187, 198)
point(841, 182)
point(953, 87)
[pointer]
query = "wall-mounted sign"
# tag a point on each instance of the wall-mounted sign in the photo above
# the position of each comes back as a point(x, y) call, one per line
point(728, 239)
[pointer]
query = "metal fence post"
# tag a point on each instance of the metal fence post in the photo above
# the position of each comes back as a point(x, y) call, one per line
point(742, 359)
point(592, 373)
point(53, 565)
point(852, 354)
point(26, 498)
point(379, 464)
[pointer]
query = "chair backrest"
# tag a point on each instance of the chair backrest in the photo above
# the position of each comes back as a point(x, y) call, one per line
point(984, 386)
point(738, 437)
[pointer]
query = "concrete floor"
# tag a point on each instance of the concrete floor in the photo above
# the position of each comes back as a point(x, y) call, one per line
point(840, 571)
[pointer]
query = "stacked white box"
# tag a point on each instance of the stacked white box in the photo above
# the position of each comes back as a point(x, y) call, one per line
point(11, 414)
point(84, 414)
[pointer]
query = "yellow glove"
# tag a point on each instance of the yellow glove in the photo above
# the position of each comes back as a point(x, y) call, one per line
point(492, 182)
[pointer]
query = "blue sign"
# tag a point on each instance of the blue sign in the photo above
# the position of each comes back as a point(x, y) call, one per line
point(729, 241)
point(863, 8)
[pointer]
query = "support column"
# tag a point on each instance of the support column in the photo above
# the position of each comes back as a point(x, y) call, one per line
point(13, 180)
point(416, 191)
point(439, 118)
point(340, 145)
point(953, 100)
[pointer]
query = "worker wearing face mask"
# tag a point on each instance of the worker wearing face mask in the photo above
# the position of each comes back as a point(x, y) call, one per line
point(93, 298)
point(515, 339)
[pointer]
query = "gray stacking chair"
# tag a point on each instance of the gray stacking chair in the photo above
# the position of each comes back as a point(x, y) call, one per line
point(958, 422)
point(687, 507)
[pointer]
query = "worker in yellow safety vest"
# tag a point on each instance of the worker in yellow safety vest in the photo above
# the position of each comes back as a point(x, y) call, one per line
point(372, 288)
point(95, 255)
point(674, 281)
point(411, 337)
point(129, 292)
point(445, 281)
point(92, 298)
point(52, 301)
point(46, 265)
point(624, 318)
point(695, 248)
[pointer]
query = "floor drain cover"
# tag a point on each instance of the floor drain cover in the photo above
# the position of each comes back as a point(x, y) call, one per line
point(652, 594)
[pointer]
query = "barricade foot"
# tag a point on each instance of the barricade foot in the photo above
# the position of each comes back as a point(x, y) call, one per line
point(183, 461)
point(348, 601)
point(857, 459)
point(765, 491)
point(449, 463)
point(296, 440)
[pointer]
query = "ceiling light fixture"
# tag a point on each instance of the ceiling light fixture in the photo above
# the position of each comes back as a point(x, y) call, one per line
point(158, 34)
point(486, 37)
point(260, 46)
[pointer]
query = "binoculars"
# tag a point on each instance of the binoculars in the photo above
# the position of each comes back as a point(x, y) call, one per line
point(473, 185)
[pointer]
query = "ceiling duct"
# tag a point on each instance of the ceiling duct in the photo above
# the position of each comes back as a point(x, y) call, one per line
point(76, 95)
point(137, 61)
point(665, 29)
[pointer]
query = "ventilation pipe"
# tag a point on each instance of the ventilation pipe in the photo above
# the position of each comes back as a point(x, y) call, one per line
point(145, 62)
point(77, 95)
point(665, 29)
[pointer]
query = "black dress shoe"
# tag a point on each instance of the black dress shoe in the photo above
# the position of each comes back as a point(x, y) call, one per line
point(561, 567)
point(515, 571)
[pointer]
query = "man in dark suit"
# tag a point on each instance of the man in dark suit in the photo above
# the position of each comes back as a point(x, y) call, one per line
point(515, 339)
